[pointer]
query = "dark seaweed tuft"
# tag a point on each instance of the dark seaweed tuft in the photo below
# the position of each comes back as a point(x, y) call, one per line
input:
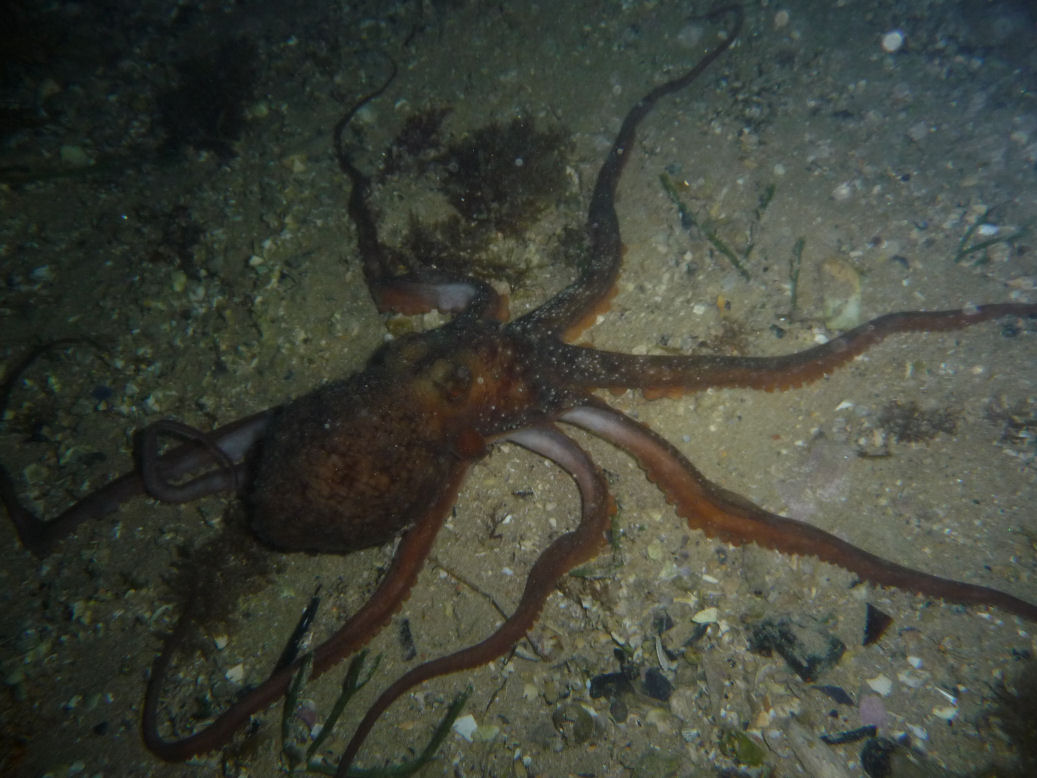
point(910, 423)
point(505, 175)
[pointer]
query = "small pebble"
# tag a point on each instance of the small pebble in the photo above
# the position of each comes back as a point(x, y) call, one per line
point(872, 711)
point(892, 41)
point(74, 156)
point(42, 273)
point(486, 733)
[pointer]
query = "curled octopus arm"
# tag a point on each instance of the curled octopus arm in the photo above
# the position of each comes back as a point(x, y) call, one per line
point(566, 552)
point(666, 375)
point(733, 519)
point(395, 585)
point(417, 290)
point(156, 477)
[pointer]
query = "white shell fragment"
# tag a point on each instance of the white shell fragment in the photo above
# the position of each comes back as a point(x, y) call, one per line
point(945, 712)
point(465, 726)
point(705, 616)
point(881, 685)
point(815, 756)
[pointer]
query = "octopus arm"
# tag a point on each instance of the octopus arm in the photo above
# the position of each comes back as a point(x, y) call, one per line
point(226, 448)
point(156, 478)
point(409, 293)
point(566, 552)
point(733, 519)
point(661, 374)
point(416, 293)
point(367, 622)
point(570, 309)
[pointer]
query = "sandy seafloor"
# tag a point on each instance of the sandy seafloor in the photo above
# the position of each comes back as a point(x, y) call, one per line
point(879, 161)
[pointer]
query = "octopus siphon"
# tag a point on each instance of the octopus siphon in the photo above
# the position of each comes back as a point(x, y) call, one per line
point(380, 456)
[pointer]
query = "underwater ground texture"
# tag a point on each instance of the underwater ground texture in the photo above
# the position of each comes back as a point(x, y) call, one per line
point(169, 192)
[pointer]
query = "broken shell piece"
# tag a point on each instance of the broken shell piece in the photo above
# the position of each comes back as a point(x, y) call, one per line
point(881, 685)
point(945, 712)
point(465, 726)
point(706, 616)
point(841, 291)
point(816, 757)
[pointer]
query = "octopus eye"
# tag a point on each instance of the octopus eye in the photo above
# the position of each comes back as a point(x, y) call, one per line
point(452, 380)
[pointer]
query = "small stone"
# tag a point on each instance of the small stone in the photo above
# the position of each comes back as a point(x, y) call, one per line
point(841, 287)
point(295, 163)
point(42, 273)
point(574, 723)
point(486, 733)
point(741, 748)
point(657, 685)
point(48, 88)
point(842, 192)
point(872, 711)
point(690, 35)
point(259, 110)
point(918, 131)
point(179, 281)
point(75, 156)
point(911, 679)
point(892, 41)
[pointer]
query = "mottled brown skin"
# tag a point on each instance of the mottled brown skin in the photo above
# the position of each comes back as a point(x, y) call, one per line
point(354, 463)
point(383, 453)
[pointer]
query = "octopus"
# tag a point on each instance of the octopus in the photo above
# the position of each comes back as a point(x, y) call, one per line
point(380, 456)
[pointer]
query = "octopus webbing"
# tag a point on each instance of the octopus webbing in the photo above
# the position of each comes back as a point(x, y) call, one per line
point(381, 455)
